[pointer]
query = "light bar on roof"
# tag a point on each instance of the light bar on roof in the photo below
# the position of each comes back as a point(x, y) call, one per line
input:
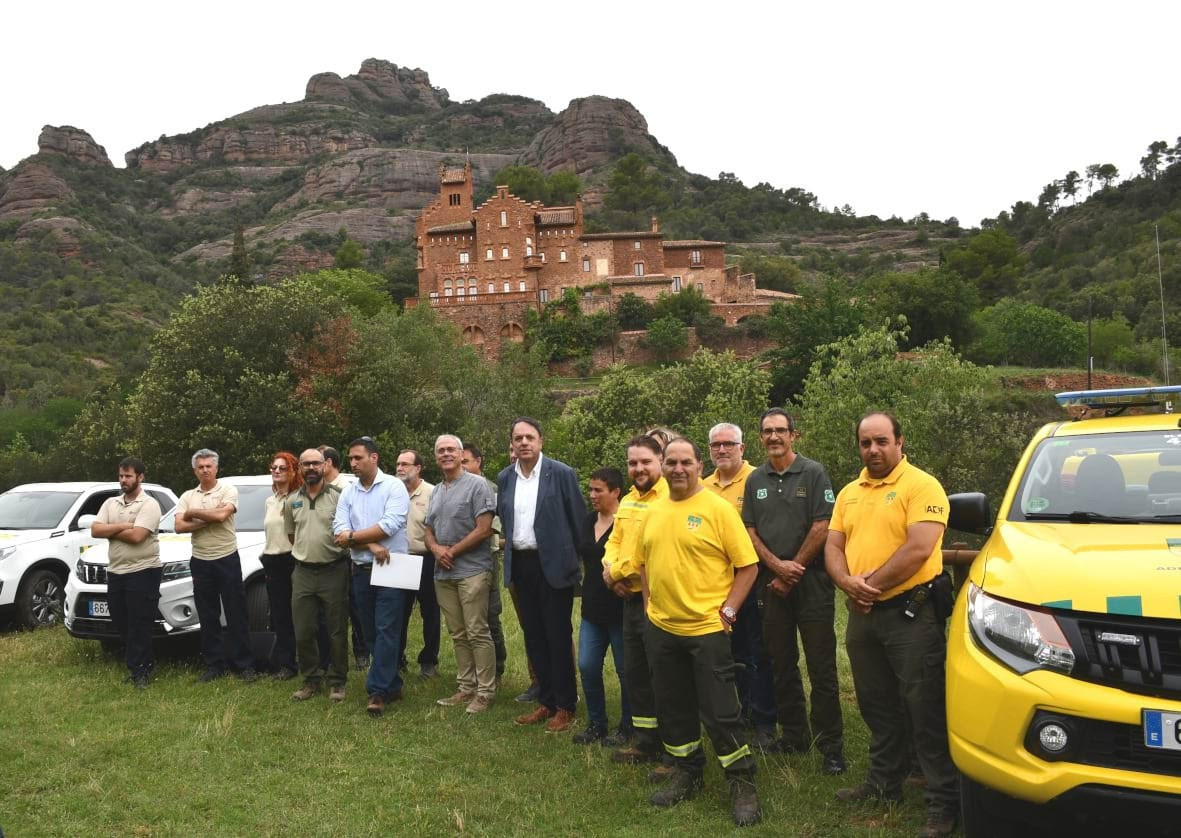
point(1120, 397)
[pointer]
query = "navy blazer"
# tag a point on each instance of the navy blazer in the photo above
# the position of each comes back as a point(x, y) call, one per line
point(556, 521)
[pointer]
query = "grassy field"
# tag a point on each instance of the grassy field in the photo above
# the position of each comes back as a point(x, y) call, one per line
point(83, 754)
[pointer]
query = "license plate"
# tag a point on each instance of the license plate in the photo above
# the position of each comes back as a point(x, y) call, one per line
point(1162, 730)
point(99, 608)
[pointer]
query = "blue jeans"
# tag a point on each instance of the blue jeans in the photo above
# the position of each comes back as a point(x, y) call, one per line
point(593, 640)
point(381, 612)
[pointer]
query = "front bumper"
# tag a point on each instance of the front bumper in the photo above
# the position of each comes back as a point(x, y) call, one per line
point(178, 611)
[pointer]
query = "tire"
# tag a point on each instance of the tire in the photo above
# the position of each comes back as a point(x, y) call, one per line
point(40, 600)
point(258, 607)
point(986, 813)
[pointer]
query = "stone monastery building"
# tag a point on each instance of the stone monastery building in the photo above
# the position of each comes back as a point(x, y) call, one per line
point(485, 267)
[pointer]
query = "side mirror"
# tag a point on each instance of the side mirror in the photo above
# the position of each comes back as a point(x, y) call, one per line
point(969, 513)
point(86, 521)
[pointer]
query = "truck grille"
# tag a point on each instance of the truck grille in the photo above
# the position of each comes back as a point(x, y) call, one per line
point(1109, 745)
point(1139, 655)
point(92, 574)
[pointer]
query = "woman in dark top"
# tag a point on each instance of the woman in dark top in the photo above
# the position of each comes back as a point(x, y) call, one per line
point(602, 613)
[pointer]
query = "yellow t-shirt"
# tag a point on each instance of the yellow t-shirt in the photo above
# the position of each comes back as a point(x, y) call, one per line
point(874, 516)
point(691, 548)
point(629, 521)
point(732, 491)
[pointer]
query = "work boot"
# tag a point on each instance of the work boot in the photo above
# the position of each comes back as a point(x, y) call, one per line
point(661, 773)
point(744, 801)
point(867, 791)
point(592, 734)
point(940, 823)
point(682, 785)
point(634, 755)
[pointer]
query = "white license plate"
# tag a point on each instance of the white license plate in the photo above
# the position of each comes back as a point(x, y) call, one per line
point(1162, 730)
point(99, 608)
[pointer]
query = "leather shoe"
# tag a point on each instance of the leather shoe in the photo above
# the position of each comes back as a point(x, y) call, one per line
point(681, 786)
point(589, 736)
point(284, 673)
point(530, 695)
point(561, 722)
point(744, 801)
point(833, 764)
point(376, 706)
point(541, 714)
point(336, 694)
point(458, 698)
point(631, 755)
point(939, 824)
point(305, 692)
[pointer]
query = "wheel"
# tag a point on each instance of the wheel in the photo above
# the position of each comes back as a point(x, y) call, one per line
point(40, 599)
point(258, 607)
point(985, 814)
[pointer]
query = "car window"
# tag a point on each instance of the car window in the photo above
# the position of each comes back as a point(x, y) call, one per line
point(34, 510)
point(1134, 475)
point(92, 505)
point(168, 521)
point(166, 502)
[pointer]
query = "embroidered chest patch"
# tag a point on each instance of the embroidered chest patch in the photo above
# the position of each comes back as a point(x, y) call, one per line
point(693, 522)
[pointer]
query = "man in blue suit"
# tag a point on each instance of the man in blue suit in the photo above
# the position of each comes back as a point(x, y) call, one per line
point(541, 510)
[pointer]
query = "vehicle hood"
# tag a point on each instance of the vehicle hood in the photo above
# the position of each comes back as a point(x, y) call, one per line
point(174, 547)
point(11, 538)
point(1131, 569)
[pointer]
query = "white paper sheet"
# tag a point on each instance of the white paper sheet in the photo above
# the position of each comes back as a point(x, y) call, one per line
point(402, 571)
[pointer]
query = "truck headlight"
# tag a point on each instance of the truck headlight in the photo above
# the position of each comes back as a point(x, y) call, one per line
point(175, 570)
point(1024, 639)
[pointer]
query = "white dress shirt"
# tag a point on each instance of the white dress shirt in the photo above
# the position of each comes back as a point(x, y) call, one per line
point(525, 507)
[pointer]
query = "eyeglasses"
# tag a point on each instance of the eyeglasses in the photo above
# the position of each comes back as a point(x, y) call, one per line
point(278, 468)
point(775, 431)
point(312, 464)
point(717, 446)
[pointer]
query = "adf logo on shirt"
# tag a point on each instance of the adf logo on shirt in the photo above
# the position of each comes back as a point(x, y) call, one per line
point(890, 498)
point(761, 494)
point(694, 522)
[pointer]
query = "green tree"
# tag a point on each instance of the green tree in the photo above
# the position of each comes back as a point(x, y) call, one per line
point(1150, 163)
point(1027, 335)
point(349, 256)
point(241, 265)
point(776, 273)
point(937, 304)
point(526, 182)
point(364, 291)
point(1070, 185)
point(666, 338)
point(633, 312)
point(824, 313)
point(562, 188)
point(1109, 337)
point(1107, 173)
point(991, 260)
point(635, 189)
point(939, 398)
point(687, 305)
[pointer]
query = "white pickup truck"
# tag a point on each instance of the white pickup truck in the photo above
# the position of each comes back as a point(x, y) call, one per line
point(41, 541)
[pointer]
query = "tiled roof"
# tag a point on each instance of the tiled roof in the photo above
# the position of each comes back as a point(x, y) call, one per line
point(458, 227)
point(454, 176)
point(645, 234)
point(694, 243)
point(556, 216)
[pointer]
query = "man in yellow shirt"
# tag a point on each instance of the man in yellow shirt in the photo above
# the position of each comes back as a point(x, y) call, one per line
point(756, 690)
point(883, 551)
point(622, 575)
point(698, 566)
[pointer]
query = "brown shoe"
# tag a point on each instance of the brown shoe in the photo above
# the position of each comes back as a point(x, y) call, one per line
point(661, 773)
point(541, 714)
point(479, 704)
point(305, 692)
point(376, 706)
point(460, 697)
point(561, 722)
point(631, 755)
point(336, 694)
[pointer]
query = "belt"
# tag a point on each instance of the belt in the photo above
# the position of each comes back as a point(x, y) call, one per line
point(523, 552)
point(362, 568)
point(899, 600)
point(318, 565)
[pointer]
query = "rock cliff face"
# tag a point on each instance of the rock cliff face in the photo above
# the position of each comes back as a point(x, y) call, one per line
point(31, 188)
point(72, 142)
point(591, 133)
point(385, 177)
point(378, 84)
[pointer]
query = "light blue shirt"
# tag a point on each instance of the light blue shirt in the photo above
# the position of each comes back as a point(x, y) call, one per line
point(385, 503)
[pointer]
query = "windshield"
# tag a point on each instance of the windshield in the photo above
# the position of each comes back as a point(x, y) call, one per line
point(34, 510)
point(1135, 476)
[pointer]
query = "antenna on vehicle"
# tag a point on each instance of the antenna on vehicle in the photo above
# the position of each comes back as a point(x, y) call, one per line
point(1163, 330)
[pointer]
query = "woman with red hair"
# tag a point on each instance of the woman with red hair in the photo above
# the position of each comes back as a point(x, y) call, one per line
point(278, 563)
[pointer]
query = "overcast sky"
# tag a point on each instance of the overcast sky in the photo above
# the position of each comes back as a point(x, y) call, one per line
point(954, 109)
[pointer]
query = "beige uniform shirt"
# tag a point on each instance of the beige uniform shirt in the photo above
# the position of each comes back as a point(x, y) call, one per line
point(212, 541)
point(272, 525)
point(144, 512)
point(420, 498)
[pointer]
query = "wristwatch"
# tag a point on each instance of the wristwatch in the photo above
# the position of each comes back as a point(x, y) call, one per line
point(729, 617)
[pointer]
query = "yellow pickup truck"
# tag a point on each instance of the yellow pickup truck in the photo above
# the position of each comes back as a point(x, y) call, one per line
point(1064, 649)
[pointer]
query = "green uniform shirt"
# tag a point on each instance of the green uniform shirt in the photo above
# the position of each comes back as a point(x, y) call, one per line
point(782, 507)
point(309, 520)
